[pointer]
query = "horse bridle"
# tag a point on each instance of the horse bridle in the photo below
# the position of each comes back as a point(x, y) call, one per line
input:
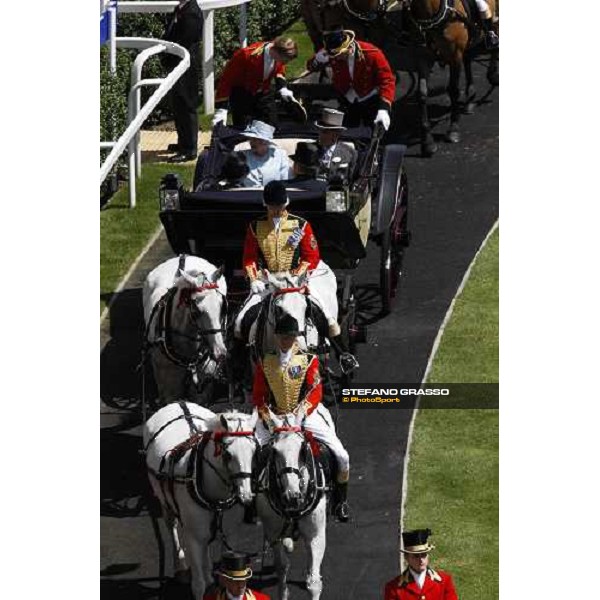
point(367, 16)
point(162, 312)
point(289, 429)
point(303, 289)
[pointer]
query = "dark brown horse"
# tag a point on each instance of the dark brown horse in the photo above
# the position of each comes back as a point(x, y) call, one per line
point(448, 28)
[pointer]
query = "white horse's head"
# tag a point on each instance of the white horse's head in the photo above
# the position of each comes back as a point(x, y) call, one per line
point(287, 445)
point(203, 296)
point(289, 297)
point(235, 441)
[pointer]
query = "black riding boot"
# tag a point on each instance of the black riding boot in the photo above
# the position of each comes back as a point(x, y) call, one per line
point(341, 508)
point(491, 38)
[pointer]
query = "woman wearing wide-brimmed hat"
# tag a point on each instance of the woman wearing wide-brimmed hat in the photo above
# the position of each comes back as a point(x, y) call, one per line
point(234, 572)
point(419, 580)
point(266, 161)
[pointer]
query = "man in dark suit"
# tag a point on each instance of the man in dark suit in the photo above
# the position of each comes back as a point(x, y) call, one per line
point(336, 159)
point(306, 165)
point(185, 28)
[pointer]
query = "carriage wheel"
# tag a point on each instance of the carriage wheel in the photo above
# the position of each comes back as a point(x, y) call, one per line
point(393, 242)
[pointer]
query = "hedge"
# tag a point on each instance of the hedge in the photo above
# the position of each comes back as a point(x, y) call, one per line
point(266, 19)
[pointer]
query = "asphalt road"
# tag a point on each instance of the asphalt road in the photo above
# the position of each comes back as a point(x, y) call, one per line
point(453, 204)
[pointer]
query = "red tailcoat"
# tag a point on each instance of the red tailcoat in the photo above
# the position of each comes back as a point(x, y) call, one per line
point(311, 389)
point(248, 595)
point(438, 586)
point(371, 71)
point(245, 69)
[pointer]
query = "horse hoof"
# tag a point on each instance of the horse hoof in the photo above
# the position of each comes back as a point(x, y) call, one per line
point(453, 137)
point(428, 150)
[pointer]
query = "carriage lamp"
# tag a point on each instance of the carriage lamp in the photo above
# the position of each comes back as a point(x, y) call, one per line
point(336, 202)
point(169, 192)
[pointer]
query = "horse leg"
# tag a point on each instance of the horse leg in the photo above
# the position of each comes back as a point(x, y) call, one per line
point(453, 135)
point(493, 75)
point(282, 567)
point(180, 567)
point(315, 538)
point(196, 532)
point(469, 106)
point(428, 146)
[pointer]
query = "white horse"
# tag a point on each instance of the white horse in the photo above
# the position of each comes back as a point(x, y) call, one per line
point(291, 295)
point(198, 463)
point(292, 498)
point(185, 315)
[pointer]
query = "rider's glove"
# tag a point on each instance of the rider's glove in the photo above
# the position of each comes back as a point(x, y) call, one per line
point(286, 93)
point(257, 286)
point(383, 117)
point(220, 117)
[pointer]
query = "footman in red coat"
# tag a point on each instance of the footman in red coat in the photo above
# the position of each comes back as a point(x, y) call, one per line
point(419, 581)
point(234, 571)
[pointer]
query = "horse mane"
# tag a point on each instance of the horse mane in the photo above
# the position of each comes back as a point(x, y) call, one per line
point(214, 424)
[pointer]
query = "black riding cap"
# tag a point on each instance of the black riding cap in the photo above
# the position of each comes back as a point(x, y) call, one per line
point(307, 154)
point(287, 325)
point(275, 194)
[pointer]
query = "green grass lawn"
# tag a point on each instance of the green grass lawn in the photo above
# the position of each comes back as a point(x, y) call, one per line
point(124, 232)
point(305, 49)
point(453, 469)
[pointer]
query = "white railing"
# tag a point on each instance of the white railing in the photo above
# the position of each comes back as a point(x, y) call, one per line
point(137, 116)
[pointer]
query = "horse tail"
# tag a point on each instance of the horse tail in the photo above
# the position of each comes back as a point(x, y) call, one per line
point(288, 544)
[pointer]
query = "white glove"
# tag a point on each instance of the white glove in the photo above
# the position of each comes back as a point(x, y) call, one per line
point(383, 117)
point(322, 57)
point(286, 93)
point(220, 117)
point(257, 286)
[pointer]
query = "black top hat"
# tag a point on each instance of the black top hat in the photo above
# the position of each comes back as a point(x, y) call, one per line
point(275, 194)
point(235, 167)
point(287, 325)
point(234, 565)
point(415, 542)
point(307, 154)
point(331, 119)
point(337, 40)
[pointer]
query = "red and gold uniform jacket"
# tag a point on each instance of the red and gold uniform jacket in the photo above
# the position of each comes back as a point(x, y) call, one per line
point(292, 247)
point(284, 389)
point(246, 69)
point(438, 586)
point(371, 71)
point(248, 595)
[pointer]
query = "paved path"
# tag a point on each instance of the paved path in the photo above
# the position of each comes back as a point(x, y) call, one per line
point(453, 204)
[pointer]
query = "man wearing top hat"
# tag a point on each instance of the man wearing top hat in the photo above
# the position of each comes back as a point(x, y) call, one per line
point(335, 158)
point(234, 571)
point(419, 581)
point(361, 75)
point(288, 381)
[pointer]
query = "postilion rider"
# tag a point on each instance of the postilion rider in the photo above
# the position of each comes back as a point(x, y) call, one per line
point(419, 580)
point(288, 382)
point(234, 572)
point(279, 242)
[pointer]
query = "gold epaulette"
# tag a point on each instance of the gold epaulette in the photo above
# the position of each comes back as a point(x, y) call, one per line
point(259, 50)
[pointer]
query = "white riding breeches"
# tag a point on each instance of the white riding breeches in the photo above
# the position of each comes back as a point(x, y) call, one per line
point(322, 287)
point(484, 8)
point(321, 425)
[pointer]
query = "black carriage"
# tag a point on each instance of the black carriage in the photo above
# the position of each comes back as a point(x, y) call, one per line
point(370, 204)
